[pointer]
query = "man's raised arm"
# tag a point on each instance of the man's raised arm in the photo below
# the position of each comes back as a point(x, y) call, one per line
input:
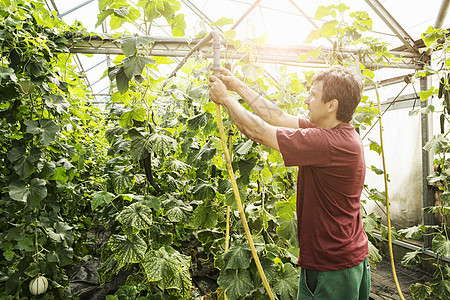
point(265, 109)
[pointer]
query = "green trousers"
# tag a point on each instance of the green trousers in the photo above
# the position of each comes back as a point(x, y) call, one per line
point(347, 284)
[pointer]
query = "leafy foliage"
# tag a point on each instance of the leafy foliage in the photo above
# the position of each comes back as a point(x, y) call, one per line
point(51, 137)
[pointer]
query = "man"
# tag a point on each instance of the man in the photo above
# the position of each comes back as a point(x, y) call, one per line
point(333, 245)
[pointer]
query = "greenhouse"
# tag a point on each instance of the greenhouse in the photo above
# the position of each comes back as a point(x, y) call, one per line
point(234, 149)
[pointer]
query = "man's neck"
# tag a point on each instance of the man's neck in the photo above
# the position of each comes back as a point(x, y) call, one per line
point(329, 124)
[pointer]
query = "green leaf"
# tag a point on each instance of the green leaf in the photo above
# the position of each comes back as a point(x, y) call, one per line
point(122, 81)
point(204, 191)
point(424, 95)
point(238, 256)
point(440, 288)
point(374, 253)
point(100, 198)
point(288, 230)
point(205, 154)
point(412, 259)
point(437, 144)
point(131, 43)
point(441, 245)
point(244, 148)
point(162, 144)
point(431, 35)
point(178, 25)
point(60, 174)
point(420, 291)
point(169, 269)
point(61, 233)
point(47, 129)
point(32, 194)
point(7, 73)
point(375, 147)
point(252, 71)
point(286, 209)
point(205, 215)
point(376, 170)
point(134, 65)
point(222, 22)
point(175, 214)
point(18, 191)
point(236, 282)
point(136, 215)
point(415, 232)
point(127, 249)
point(122, 182)
point(140, 146)
point(287, 283)
point(198, 121)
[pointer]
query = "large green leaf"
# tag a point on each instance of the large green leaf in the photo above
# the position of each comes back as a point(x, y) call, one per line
point(46, 128)
point(24, 166)
point(122, 181)
point(288, 230)
point(108, 269)
point(437, 144)
point(286, 284)
point(134, 65)
point(32, 193)
point(415, 232)
point(412, 258)
point(205, 154)
point(131, 43)
point(204, 191)
point(175, 214)
point(286, 208)
point(127, 249)
point(236, 282)
point(420, 291)
point(441, 288)
point(205, 215)
point(178, 25)
point(100, 198)
point(136, 215)
point(374, 253)
point(162, 144)
point(441, 245)
point(61, 233)
point(245, 147)
point(238, 256)
point(169, 269)
point(140, 145)
point(198, 121)
point(246, 167)
point(122, 80)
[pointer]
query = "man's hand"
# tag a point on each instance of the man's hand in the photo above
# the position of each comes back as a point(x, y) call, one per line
point(218, 91)
point(232, 83)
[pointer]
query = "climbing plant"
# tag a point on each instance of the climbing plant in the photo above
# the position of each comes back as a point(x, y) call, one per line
point(51, 151)
point(166, 165)
point(436, 42)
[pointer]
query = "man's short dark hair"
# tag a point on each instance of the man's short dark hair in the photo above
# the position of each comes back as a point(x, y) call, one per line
point(344, 85)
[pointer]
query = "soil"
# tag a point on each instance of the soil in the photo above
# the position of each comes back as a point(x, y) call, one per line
point(383, 285)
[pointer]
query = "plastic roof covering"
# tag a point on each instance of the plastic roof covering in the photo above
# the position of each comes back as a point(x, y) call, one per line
point(279, 19)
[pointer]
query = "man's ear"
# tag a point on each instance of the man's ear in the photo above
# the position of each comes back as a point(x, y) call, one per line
point(333, 105)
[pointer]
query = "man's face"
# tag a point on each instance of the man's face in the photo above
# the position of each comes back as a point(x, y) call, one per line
point(318, 110)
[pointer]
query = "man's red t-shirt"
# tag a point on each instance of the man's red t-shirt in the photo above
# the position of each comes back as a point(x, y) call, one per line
point(329, 185)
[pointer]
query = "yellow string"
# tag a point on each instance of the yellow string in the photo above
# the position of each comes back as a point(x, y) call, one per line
point(239, 202)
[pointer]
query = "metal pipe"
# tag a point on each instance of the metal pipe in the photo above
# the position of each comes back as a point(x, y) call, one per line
point(213, 35)
point(246, 14)
point(411, 247)
point(75, 8)
point(392, 24)
point(442, 14)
